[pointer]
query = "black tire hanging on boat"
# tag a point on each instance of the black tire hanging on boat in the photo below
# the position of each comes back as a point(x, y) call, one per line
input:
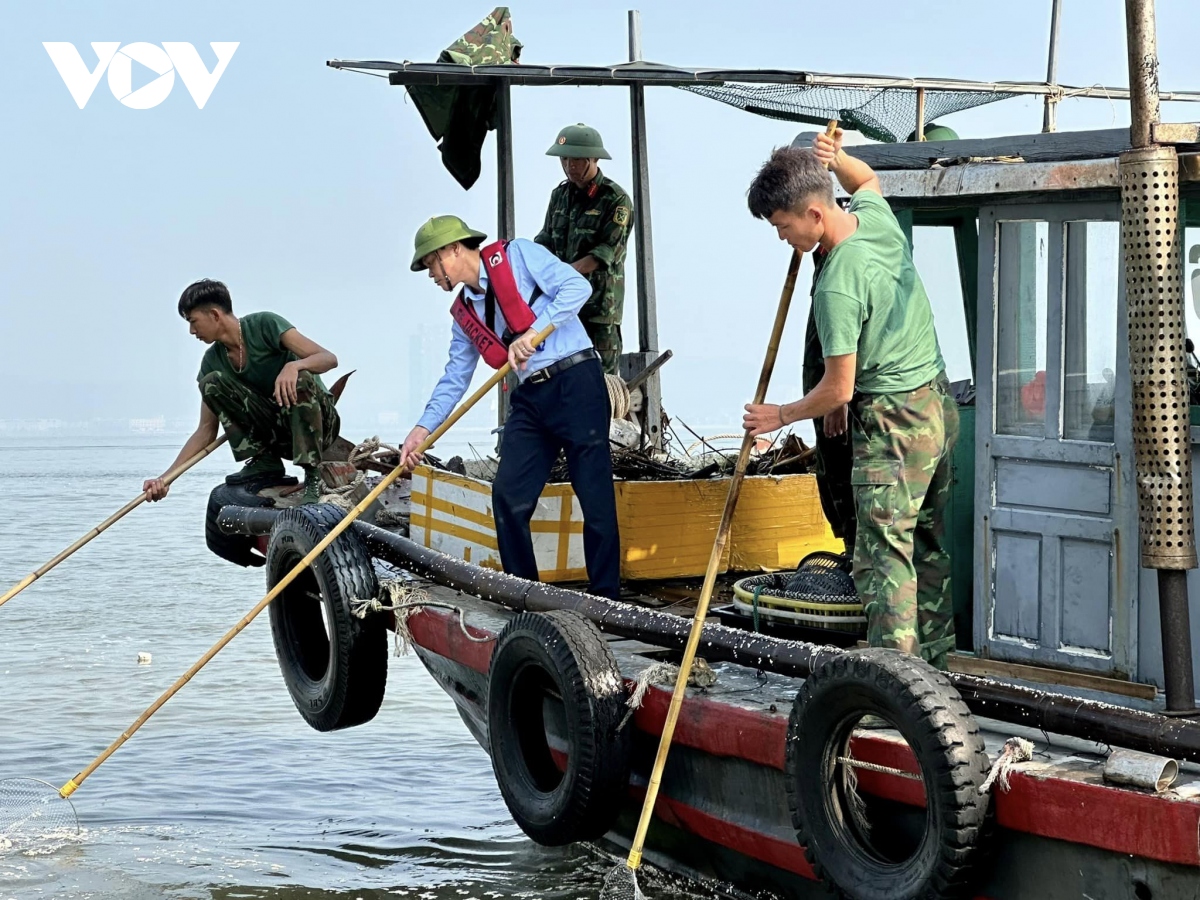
point(541, 658)
point(925, 708)
point(335, 666)
point(236, 548)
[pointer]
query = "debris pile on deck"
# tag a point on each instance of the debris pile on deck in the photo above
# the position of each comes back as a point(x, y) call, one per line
point(715, 459)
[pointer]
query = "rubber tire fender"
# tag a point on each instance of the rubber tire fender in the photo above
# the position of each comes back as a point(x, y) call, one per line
point(925, 708)
point(563, 652)
point(235, 548)
point(336, 669)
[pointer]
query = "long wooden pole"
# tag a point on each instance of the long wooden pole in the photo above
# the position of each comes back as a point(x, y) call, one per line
point(714, 564)
point(710, 574)
point(71, 786)
point(115, 517)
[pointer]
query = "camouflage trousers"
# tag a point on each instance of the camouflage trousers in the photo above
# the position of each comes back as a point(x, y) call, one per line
point(901, 480)
point(606, 339)
point(258, 426)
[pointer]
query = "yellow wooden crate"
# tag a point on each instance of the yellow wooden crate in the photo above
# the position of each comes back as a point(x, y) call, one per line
point(667, 527)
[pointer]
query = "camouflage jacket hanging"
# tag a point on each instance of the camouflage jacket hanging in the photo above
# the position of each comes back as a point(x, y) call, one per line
point(460, 116)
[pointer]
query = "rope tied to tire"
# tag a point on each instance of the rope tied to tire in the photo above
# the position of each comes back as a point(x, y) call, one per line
point(403, 600)
point(1016, 750)
point(663, 673)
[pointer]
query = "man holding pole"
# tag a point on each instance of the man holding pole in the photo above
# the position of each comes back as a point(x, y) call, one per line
point(510, 291)
point(884, 372)
point(261, 379)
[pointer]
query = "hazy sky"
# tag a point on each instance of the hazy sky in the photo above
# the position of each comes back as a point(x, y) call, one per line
point(301, 186)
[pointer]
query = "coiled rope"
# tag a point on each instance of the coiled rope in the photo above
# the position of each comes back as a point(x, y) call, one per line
point(618, 396)
point(340, 496)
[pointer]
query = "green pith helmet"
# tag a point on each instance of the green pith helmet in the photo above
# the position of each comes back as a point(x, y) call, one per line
point(935, 132)
point(439, 232)
point(578, 142)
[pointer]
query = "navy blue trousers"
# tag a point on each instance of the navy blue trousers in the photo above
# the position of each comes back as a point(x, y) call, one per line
point(569, 412)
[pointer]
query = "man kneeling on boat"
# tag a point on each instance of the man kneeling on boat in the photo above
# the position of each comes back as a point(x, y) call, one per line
point(260, 378)
point(510, 292)
point(883, 371)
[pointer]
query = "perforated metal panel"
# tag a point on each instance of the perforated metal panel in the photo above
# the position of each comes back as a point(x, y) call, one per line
point(1154, 293)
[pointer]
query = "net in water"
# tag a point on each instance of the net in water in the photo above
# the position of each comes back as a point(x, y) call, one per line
point(34, 817)
point(621, 884)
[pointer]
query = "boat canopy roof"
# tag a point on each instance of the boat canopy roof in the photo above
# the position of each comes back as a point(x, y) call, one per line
point(882, 107)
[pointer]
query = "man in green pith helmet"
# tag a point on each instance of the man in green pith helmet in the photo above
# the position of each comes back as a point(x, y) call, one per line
point(587, 226)
point(507, 293)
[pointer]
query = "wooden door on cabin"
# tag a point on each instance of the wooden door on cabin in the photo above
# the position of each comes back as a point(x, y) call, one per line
point(1056, 530)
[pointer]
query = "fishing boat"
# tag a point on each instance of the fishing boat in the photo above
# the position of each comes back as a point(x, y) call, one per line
point(1058, 758)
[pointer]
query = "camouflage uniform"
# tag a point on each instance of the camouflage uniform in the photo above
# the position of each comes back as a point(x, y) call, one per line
point(490, 43)
point(460, 116)
point(257, 426)
point(594, 221)
point(901, 478)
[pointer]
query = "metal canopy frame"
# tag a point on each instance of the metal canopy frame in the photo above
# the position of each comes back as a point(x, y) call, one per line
point(641, 72)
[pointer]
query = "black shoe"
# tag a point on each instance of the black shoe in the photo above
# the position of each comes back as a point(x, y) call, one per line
point(259, 468)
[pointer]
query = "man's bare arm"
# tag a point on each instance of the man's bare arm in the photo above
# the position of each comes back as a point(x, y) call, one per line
point(312, 358)
point(205, 434)
point(852, 174)
point(832, 392)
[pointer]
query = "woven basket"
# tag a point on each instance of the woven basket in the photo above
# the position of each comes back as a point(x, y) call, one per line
point(819, 594)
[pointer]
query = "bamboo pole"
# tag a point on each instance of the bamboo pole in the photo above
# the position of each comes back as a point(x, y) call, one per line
point(115, 517)
point(71, 786)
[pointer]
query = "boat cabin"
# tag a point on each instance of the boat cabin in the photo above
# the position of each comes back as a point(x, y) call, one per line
point(1044, 517)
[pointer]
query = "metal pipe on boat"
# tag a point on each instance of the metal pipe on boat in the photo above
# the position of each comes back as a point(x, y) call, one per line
point(1050, 712)
point(1050, 112)
point(1141, 770)
point(1149, 176)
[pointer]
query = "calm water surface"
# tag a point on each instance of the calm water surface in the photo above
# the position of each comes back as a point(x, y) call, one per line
point(225, 793)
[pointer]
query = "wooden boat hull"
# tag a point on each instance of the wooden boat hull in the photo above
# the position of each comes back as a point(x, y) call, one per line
point(723, 813)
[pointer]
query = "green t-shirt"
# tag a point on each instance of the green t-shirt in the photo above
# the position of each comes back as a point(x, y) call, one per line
point(870, 301)
point(265, 353)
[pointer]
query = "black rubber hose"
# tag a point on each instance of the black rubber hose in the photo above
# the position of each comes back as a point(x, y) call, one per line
point(247, 520)
point(1045, 710)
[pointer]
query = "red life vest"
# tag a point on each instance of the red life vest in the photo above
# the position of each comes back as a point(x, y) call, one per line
point(517, 311)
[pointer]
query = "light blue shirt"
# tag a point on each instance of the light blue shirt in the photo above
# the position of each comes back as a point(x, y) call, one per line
point(564, 291)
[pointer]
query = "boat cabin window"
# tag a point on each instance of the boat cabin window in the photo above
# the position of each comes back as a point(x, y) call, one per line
point(1021, 315)
point(1093, 269)
point(936, 259)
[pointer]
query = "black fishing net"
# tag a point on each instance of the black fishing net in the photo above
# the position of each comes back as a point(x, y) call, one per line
point(883, 114)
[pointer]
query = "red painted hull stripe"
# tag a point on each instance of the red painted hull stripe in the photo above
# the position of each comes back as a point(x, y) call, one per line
point(783, 854)
point(1123, 821)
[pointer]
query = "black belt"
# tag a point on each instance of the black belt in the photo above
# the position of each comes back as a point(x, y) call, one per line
point(562, 365)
